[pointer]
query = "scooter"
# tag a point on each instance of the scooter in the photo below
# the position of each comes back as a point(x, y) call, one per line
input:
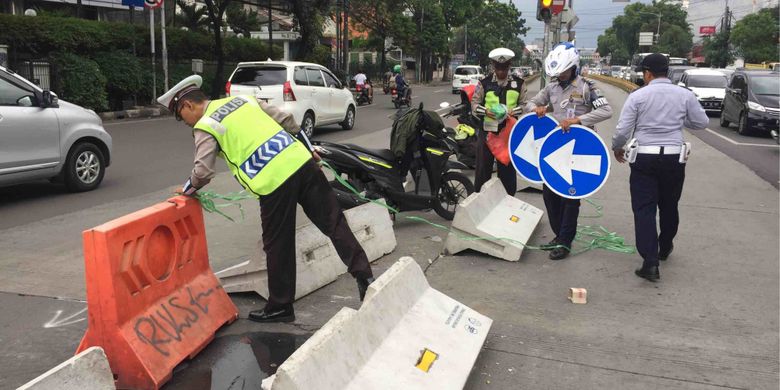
point(361, 95)
point(405, 100)
point(465, 137)
point(378, 174)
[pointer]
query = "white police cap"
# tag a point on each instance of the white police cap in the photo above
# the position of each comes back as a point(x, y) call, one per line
point(501, 55)
point(170, 98)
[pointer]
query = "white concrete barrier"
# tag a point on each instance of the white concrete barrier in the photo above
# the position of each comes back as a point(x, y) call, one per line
point(491, 213)
point(317, 261)
point(87, 370)
point(406, 335)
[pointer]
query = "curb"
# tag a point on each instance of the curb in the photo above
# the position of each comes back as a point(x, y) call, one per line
point(133, 114)
point(619, 83)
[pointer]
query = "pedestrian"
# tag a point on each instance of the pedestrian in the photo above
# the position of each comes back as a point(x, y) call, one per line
point(656, 114)
point(498, 87)
point(256, 140)
point(574, 100)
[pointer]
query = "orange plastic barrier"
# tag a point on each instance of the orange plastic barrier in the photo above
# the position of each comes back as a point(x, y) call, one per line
point(152, 297)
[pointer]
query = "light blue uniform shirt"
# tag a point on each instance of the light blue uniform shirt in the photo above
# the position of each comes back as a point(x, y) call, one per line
point(658, 112)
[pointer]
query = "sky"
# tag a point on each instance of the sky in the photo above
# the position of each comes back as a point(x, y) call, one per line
point(595, 16)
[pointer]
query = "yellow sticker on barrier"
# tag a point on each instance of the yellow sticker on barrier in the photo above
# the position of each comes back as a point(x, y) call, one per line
point(514, 218)
point(426, 360)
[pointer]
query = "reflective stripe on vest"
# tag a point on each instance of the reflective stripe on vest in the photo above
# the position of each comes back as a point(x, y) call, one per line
point(509, 96)
point(259, 152)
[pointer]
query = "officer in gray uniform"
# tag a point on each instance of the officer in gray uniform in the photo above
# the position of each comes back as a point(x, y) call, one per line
point(574, 100)
point(656, 114)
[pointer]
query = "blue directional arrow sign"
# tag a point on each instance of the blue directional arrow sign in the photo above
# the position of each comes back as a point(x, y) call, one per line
point(525, 140)
point(574, 164)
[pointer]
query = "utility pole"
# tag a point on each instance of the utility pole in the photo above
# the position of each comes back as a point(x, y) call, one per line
point(465, 43)
point(270, 28)
point(337, 61)
point(164, 47)
point(345, 35)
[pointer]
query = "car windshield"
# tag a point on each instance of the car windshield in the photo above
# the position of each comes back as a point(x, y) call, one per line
point(465, 71)
point(616, 68)
point(707, 81)
point(259, 76)
point(765, 85)
point(676, 74)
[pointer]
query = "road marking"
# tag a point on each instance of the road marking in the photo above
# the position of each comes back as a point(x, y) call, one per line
point(439, 90)
point(739, 143)
point(56, 322)
point(129, 122)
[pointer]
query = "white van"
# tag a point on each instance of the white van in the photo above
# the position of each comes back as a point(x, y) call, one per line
point(466, 75)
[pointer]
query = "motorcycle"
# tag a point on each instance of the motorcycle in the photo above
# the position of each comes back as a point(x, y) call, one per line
point(361, 95)
point(405, 100)
point(379, 174)
point(465, 135)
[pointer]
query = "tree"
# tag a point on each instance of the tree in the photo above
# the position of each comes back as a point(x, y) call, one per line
point(621, 39)
point(755, 37)
point(456, 14)
point(496, 25)
point(191, 16)
point(309, 16)
point(716, 50)
point(242, 21)
point(381, 20)
point(431, 39)
point(216, 11)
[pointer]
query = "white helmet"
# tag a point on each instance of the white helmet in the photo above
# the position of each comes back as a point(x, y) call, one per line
point(561, 58)
point(501, 55)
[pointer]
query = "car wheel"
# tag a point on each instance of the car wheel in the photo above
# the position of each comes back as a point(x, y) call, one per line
point(723, 122)
point(84, 167)
point(742, 128)
point(349, 119)
point(454, 91)
point(307, 124)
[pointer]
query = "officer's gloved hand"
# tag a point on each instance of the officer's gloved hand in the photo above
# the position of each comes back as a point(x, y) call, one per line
point(480, 111)
point(517, 111)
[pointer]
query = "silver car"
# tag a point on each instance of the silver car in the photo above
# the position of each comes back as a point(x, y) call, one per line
point(42, 137)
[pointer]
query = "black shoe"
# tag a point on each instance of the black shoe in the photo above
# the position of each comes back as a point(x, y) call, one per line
point(285, 314)
point(663, 255)
point(363, 284)
point(649, 273)
point(559, 253)
point(550, 245)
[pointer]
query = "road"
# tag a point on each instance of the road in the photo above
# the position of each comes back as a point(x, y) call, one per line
point(711, 323)
point(154, 154)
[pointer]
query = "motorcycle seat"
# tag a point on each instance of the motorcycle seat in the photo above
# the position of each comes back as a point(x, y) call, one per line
point(384, 154)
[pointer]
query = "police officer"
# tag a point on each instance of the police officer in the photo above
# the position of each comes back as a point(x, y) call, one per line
point(574, 100)
point(498, 87)
point(255, 140)
point(656, 114)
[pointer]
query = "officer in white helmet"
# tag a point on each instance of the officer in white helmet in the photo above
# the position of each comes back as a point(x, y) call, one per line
point(574, 100)
point(497, 88)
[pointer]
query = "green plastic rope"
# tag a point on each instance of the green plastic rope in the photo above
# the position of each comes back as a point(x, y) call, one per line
point(593, 237)
point(207, 198)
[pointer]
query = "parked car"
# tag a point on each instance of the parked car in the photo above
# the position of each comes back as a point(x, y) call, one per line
point(466, 75)
point(676, 72)
point(626, 73)
point(310, 92)
point(752, 101)
point(708, 85)
point(615, 71)
point(47, 138)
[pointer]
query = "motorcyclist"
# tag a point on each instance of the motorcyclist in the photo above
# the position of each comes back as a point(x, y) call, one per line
point(362, 81)
point(401, 86)
point(498, 87)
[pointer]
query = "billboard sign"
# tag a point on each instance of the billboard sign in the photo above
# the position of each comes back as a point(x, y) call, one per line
point(706, 30)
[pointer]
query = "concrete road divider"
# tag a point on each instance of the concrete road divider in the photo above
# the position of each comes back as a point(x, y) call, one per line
point(491, 213)
point(87, 370)
point(406, 335)
point(318, 262)
point(152, 298)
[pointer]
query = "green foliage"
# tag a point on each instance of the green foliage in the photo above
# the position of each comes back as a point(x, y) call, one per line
point(320, 55)
point(240, 20)
point(621, 39)
point(755, 36)
point(123, 73)
point(80, 81)
point(496, 25)
point(191, 16)
point(716, 50)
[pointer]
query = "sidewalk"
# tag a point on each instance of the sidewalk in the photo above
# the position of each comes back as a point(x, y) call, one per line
point(711, 322)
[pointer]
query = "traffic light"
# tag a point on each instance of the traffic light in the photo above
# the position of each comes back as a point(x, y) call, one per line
point(544, 10)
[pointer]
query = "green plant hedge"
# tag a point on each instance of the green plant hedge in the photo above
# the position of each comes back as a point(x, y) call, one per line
point(80, 81)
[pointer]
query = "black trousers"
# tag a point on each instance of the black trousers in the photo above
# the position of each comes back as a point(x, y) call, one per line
point(309, 188)
point(656, 183)
point(562, 214)
point(484, 167)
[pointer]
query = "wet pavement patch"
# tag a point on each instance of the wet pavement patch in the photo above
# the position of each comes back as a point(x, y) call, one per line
point(236, 361)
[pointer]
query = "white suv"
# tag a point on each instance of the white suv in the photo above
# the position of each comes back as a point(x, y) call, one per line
point(466, 75)
point(309, 91)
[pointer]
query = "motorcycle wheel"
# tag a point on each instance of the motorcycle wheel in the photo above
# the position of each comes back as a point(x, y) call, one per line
point(455, 188)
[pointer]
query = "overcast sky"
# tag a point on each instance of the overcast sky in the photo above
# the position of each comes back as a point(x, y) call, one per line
point(595, 16)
